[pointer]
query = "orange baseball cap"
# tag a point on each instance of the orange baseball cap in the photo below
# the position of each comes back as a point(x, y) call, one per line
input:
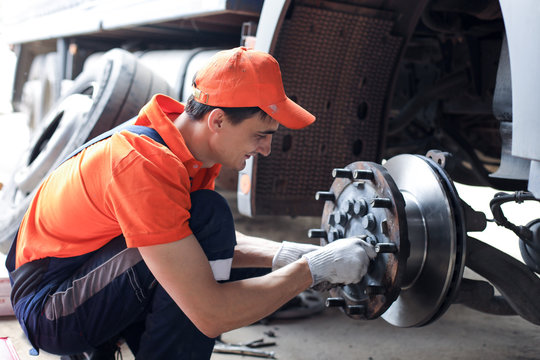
point(248, 78)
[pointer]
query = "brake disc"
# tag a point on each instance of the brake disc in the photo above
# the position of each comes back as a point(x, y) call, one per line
point(410, 211)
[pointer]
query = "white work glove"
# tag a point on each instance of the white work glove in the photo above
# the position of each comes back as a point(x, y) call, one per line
point(344, 261)
point(290, 252)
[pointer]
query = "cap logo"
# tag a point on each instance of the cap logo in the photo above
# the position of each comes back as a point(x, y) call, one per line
point(200, 96)
point(273, 107)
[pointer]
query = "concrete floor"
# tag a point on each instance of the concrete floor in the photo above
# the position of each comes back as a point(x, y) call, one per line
point(461, 333)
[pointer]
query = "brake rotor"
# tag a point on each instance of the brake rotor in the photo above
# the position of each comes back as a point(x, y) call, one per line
point(410, 211)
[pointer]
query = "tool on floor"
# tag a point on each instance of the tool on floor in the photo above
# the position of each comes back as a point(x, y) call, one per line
point(245, 349)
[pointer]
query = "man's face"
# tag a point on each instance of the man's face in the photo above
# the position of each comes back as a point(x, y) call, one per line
point(234, 144)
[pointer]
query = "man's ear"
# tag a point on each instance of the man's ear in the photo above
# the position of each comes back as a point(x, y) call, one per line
point(216, 120)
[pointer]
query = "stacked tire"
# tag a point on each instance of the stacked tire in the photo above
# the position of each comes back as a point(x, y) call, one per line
point(107, 93)
point(38, 91)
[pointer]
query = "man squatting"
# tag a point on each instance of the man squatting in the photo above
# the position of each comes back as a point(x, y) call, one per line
point(128, 238)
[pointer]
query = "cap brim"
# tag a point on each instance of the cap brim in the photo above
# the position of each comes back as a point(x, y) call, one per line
point(289, 114)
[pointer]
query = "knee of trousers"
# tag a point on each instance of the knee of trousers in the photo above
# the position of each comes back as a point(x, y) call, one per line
point(213, 225)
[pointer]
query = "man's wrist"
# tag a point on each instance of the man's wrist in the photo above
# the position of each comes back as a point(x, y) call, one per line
point(290, 252)
point(305, 272)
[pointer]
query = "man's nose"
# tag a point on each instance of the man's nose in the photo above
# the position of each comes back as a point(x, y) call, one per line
point(265, 147)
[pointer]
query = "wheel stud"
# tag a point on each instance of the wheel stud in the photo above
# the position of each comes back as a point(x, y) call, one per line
point(325, 196)
point(317, 233)
point(382, 248)
point(382, 203)
point(342, 173)
point(356, 309)
point(363, 175)
point(335, 302)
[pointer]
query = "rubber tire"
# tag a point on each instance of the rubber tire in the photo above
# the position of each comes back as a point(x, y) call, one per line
point(171, 64)
point(38, 90)
point(54, 141)
point(119, 85)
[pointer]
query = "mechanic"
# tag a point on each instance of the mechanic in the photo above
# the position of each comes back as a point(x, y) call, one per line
point(128, 239)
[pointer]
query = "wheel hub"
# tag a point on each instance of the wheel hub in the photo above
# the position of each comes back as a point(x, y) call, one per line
point(409, 210)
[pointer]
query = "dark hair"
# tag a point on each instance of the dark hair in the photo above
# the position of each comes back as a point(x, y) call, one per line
point(236, 115)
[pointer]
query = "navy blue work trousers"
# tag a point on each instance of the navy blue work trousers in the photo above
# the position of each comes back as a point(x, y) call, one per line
point(85, 301)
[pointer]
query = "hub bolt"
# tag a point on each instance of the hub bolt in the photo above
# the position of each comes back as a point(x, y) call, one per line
point(316, 233)
point(342, 173)
point(356, 309)
point(335, 302)
point(382, 248)
point(382, 203)
point(325, 196)
point(363, 175)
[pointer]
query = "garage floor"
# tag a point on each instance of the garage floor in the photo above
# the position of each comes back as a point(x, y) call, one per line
point(461, 333)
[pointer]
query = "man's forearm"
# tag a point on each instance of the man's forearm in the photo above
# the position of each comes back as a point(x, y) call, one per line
point(252, 251)
point(261, 296)
point(183, 270)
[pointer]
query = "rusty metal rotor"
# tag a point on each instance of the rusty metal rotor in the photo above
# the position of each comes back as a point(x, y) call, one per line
point(410, 211)
point(364, 201)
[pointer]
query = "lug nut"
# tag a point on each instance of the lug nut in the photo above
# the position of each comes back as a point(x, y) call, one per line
point(382, 203)
point(382, 248)
point(356, 309)
point(335, 234)
point(363, 175)
point(369, 222)
point(371, 240)
point(335, 302)
point(341, 230)
point(317, 233)
point(342, 173)
point(360, 207)
point(348, 207)
point(325, 196)
point(340, 218)
point(332, 220)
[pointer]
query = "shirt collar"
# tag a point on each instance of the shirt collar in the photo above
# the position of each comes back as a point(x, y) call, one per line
point(160, 114)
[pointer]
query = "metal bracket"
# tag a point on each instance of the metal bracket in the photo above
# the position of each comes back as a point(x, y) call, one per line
point(515, 281)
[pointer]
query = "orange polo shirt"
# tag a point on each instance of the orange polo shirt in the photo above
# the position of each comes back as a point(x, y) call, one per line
point(126, 184)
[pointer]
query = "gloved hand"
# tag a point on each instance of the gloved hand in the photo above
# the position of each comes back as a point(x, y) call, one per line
point(344, 261)
point(290, 252)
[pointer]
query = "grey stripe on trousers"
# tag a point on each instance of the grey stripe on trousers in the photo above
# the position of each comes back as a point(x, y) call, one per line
point(64, 303)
